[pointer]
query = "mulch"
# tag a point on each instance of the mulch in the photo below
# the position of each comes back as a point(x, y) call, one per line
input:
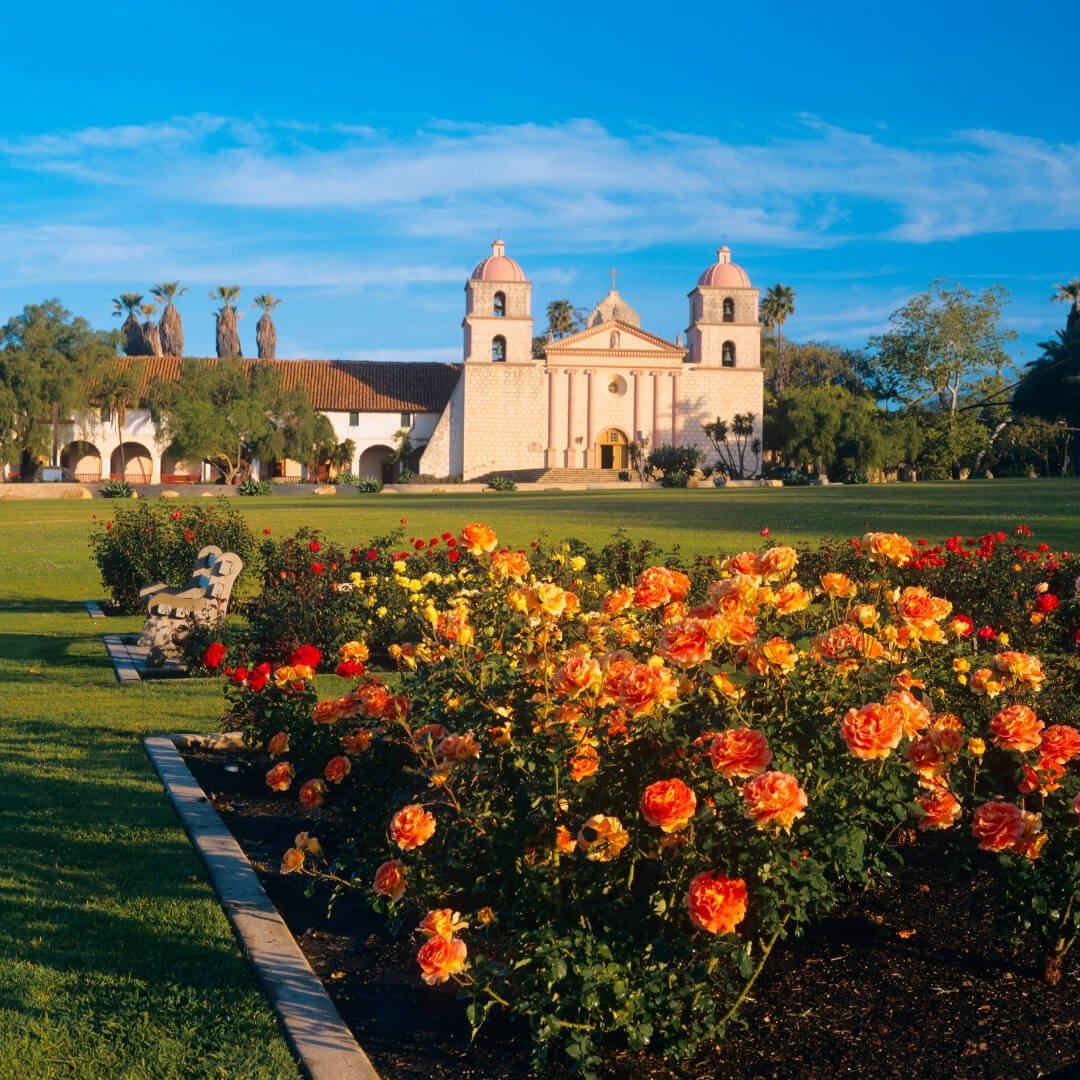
point(911, 982)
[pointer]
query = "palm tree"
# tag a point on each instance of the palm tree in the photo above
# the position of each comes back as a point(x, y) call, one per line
point(170, 326)
point(134, 345)
point(265, 332)
point(561, 319)
point(151, 337)
point(776, 308)
point(228, 337)
point(341, 457)
point(114, 395)
point(1069, 293)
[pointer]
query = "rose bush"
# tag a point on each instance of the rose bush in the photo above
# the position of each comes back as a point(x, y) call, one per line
point(606, 798)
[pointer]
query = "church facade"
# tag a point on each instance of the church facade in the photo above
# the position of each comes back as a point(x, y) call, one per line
point(501, 410)
point(594, 392)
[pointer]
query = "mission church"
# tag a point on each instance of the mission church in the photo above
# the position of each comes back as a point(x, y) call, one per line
point(501, 410)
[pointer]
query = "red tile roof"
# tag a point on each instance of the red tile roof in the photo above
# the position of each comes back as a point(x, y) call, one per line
point(336, 385)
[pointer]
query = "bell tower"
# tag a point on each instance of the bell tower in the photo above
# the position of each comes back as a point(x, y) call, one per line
point(498, 325)
point(724, 328)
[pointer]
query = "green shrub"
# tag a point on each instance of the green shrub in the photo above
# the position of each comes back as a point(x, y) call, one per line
point(255, 487)
point(369, 485)
point(346, 479)
point(150, 542)
point(674, 464)
point(116, 489)
point(501, 483)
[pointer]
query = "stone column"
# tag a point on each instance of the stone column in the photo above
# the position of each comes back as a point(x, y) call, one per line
point(570, 404)
point(590, 435)
point(552, 434)
point(655, 407)
point(637, 405)
point(674, 408)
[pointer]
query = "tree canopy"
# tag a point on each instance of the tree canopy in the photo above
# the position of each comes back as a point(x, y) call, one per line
point(47, 356)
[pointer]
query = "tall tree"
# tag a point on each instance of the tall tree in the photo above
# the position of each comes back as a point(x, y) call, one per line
point(151, 335)
point(776, 308)
point(939, 343)
point(265, 331)
point(563, 319)
point(228, 335)
point(170, 326)
point(732, 442)
point(47, 357)
point(812, 363)
point(229, 414)
point(115, 393)
point(131, 329)
point(1069, 293)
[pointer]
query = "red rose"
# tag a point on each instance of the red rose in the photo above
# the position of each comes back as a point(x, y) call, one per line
point(314, 546)
point(305, 656)
point(1046, 602)
point(214, 654)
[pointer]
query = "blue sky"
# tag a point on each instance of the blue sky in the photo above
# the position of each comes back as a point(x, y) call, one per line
point(357, 160)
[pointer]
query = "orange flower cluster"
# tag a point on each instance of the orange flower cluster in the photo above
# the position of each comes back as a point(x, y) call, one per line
point(717, 903)
point(774, 800)
point(668, 804)
point(412, 827)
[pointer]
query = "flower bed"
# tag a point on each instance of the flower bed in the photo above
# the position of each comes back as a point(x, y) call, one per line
point(601, 801)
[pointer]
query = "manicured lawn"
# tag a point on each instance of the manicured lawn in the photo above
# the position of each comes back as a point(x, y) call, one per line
point(114, 959)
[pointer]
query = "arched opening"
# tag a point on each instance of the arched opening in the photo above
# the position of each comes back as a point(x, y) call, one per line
point(498, 305)
point(727, 354)
point(729, 309)
point(82, 460)
point(498, 348)
point(612, 449)
point(175, 470)
point(375, 463)
point(131, 461)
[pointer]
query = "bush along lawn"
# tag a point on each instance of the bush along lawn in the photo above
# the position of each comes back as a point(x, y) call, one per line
point(603, 789)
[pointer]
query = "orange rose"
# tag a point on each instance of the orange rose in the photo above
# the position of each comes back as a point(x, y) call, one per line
point(791, 598)
point(1016, 728)
point(941, 809)
point(549, 598)
point(312, 793)
point(778, 562)
point(872, 731)
point(914, 715)
point(458, 748)
point(646, 686)
point(1060, 744)
point(292, 861)
point(668, 804)
point(888, 548)
point(918, 608)
point(777, 656)
point(564, 840)
point(280, 777)
point(509, 564)
point(357, 742)
point(371, 697)
point(602, 838)
point(354, 650)
point(839, 586)
point(577, 675)
point(660, 585)
point(390, 880)
point(998, 826)
point(1021, 669)
point(740, 753)
point(478, 539)
point(617, 601)
point(983, 682)
point(412, 827)
point(716, 903)
point(442, 922)
point(746, 562)
point(278, 744)
point(685, 643)
point(440, 957)
point(584, 762)
point(326, 711)
point(337, 768)
point(935, 751)
point(774, 800)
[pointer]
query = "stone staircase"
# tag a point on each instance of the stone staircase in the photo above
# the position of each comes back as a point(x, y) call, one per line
point(556, 476)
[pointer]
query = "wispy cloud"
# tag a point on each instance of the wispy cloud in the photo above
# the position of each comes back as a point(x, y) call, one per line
point(813, 185)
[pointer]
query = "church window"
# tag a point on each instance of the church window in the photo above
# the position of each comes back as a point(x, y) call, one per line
point(499, 305)
point(729, 309)
point(727, 354)
point(354, 419)
point(498, 347)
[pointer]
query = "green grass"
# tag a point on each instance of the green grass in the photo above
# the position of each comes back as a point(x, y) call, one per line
point(114, 958)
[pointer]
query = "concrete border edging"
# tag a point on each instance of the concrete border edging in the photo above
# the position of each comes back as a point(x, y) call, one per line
point(323, 1045)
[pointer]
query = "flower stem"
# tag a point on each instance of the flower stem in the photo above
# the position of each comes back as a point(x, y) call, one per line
point(757, 971)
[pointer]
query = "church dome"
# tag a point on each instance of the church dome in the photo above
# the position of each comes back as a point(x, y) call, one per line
point(613, 308)
point(724, 274)
point(498, 266)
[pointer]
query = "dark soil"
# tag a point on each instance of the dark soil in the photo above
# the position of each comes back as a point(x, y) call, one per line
point(911, 983)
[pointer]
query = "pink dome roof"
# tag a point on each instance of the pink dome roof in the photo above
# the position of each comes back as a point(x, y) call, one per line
point(724, 274)
point(498, 266)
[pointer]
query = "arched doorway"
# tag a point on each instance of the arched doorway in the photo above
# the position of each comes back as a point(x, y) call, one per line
point(612, 449)
point(82, 460)
point(135, 464)
point(375, 463)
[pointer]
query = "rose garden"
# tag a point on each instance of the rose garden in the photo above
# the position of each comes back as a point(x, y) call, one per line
point(591, 782)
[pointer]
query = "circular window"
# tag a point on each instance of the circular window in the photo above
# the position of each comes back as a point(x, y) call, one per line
point(616, 385)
